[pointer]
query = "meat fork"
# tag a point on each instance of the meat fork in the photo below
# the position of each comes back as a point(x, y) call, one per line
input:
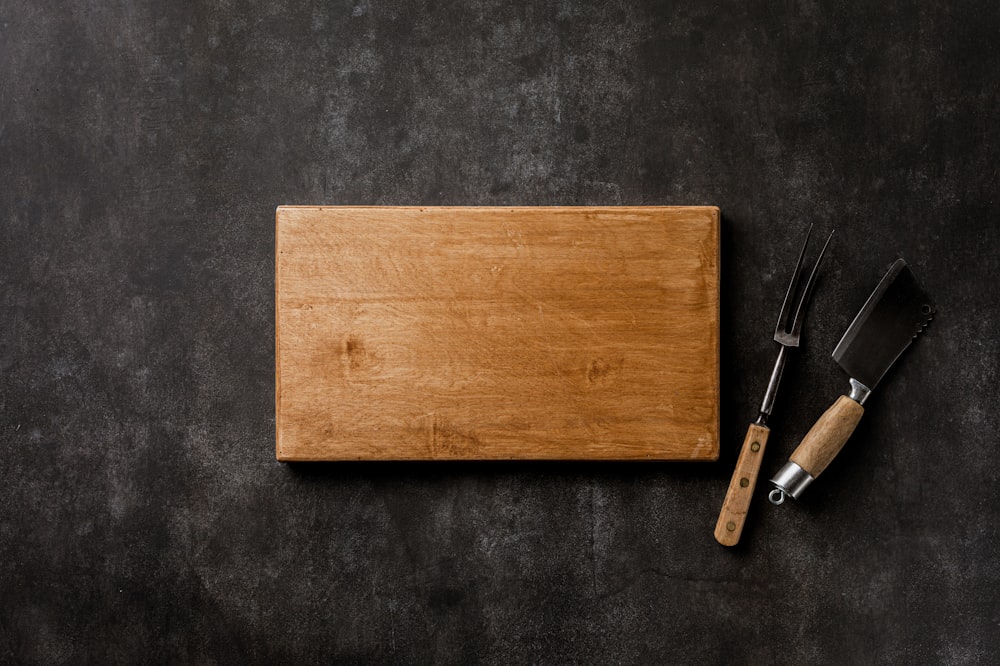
point(787, 333)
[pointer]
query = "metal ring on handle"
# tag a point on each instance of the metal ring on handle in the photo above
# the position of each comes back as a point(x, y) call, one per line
point(790, 480)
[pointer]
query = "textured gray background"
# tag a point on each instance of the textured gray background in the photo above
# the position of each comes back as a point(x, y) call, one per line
point(143, 148)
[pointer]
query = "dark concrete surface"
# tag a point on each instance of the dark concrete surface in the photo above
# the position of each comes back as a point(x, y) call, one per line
point(143, 148)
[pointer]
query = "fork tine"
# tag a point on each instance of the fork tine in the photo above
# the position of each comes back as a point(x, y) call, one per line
point(810, 283)
point(786, 306)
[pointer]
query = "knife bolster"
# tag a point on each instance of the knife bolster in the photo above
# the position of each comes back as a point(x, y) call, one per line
point(859, 392)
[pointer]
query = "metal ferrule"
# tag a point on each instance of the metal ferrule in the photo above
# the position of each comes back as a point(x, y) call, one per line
point(859, 392)
point(790, 480)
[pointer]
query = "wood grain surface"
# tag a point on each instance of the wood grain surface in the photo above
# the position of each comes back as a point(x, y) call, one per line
point(827, 436)
point(497, 333)
point(732, 517)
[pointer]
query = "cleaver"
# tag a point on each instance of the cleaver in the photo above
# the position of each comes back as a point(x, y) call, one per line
point(892, 318)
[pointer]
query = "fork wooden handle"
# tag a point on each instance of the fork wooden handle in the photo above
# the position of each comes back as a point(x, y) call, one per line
point(734, 509)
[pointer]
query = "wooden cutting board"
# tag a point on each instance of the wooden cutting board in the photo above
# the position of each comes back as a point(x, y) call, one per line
point(497, 333)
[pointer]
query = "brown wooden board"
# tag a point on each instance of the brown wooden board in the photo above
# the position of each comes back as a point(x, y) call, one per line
point(497, 333)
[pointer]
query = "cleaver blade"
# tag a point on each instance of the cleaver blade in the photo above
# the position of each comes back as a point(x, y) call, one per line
point(892, 318)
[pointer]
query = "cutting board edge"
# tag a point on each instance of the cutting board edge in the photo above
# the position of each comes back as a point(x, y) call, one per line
point(707, 454)
point(277, 337)
point(715, 211)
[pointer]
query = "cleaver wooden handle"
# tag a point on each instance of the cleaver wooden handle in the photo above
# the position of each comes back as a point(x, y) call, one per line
point(734, 509)
point(827, 436)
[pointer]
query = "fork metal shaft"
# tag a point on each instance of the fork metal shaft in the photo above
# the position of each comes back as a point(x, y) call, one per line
point(772, 387)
